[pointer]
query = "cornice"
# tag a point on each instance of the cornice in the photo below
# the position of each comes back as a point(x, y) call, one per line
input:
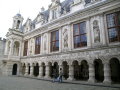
point(73, 17)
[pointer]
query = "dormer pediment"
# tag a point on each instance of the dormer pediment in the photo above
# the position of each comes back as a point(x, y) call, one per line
point(28, 22)
point(54, 4)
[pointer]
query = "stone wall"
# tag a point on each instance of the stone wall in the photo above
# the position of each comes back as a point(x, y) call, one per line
point(2, 48)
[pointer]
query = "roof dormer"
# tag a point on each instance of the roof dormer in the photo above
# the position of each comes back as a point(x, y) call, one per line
point(27, 25)
point(55, 9)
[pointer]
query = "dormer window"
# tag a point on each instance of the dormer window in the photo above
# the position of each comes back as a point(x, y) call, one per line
point(87, 1)
point(54, 14)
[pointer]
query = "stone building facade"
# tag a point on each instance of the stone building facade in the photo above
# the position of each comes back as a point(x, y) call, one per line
point(2, 49)
point(80, 36)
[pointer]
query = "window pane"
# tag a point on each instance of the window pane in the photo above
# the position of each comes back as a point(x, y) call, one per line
point(57, 45)
point(83, 40)
point(53, 36)
point(25, 48)
point(77, 41)
point(76, 29)
point(82, 28)
point(113, 35)
point(111, 20)
point(37, 45)
point(57, 35)
point(119, 18)
point(55, 41)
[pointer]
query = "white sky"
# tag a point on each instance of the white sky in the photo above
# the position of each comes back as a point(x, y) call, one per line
point(27, 8)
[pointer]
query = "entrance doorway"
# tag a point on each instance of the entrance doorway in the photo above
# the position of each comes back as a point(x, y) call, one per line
point(14, 70)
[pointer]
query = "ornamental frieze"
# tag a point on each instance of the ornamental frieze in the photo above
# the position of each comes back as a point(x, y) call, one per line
point(77, 55)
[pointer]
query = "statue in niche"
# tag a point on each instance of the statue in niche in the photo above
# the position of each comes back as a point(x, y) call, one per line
point(65, 38)
point(96, 31)
point(45, 42)
point(31, 46)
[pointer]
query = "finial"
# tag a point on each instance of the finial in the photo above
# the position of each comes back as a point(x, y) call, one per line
point(19, 11)
point(42, 9)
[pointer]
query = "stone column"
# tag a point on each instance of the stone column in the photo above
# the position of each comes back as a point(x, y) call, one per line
point(26, 71)
point(31, 70)
point(107, 76)
point(91, 73)
point(40, 72)
point(88, 31)
point(47, 71)
point(71, 72)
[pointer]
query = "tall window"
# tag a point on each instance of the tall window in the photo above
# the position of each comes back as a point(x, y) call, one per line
point(87, 1)
point(54, 14)
point(55, 41)
point(113, 26)
point(25, 48)
point(37, 45)
point(79, 34)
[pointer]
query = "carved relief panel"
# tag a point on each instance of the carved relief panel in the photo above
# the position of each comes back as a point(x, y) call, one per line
point(96, 31)
point(65, 37)
point(45, 43)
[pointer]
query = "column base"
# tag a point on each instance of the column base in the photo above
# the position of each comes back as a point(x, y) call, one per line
point(71, 78)
point(26, 75)
point(107, 82)
point(40, 77)
point(91, 80)
point(47, 77)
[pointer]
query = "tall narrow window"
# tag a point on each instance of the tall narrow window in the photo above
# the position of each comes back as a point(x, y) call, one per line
point(25, 48)
point(54, 14)
point(55, 41)
point(79, 34)
point(37, 45)
point(113, 26)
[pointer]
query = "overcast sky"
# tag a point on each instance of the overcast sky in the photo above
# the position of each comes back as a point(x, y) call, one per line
point(27, 8)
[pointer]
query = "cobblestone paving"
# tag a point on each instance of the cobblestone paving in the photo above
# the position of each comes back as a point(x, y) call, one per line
point(20, 83)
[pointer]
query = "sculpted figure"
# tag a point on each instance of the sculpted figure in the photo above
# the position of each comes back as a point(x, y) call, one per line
point(96, 31)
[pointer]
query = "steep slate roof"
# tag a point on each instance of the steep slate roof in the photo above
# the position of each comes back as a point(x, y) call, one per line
point(65, 5)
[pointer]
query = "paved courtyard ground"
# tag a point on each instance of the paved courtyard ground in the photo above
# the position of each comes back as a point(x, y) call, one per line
point(21, 83)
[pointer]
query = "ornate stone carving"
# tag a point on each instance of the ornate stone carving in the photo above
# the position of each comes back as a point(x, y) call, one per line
point(96, 31)
point(65, 38)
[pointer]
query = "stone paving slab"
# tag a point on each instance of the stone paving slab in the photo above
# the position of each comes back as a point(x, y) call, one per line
point(20, 83)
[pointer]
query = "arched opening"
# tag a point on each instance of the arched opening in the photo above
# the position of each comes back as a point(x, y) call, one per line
point(28, 69)
point(84, 74)
point(16, 48)
point(14, 70)
point(99, 73)
point(65, 70)
point(23, 69)
point(76, 70)
point(44, 68)
point(36, 70)
point(115, 70)
point(55, 70)
point(18, 24)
